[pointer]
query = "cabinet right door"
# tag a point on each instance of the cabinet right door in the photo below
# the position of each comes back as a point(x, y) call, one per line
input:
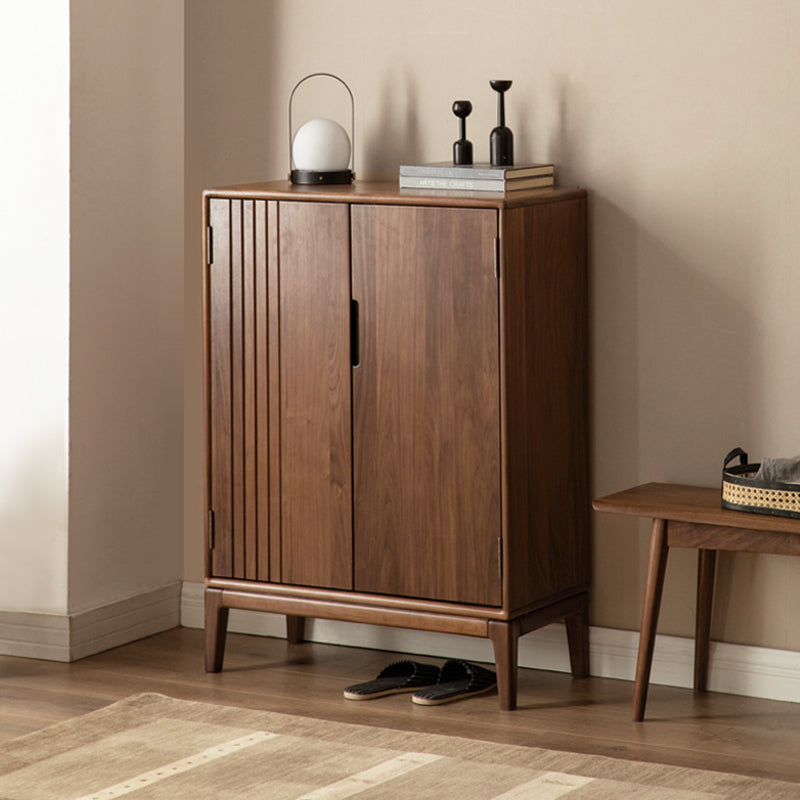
point(426, 403)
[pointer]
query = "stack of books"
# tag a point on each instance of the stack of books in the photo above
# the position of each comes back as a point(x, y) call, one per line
point(476, 177)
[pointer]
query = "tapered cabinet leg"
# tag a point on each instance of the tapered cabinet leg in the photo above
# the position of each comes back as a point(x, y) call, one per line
point(706, 566)
point(656, 567)
point(295, 629)
point(216, 623)
point(505, 640)
point(578, 640)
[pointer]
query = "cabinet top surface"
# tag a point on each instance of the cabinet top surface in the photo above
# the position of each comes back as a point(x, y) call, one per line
point(389, 193)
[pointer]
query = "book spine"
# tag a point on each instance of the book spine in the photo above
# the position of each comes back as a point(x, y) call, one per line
point(473, 173)
point(412, 182)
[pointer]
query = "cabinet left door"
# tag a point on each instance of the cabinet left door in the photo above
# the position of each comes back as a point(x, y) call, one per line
point(279, 362)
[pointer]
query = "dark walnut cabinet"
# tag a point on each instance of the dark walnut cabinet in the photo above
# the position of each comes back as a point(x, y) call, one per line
point(396, 387)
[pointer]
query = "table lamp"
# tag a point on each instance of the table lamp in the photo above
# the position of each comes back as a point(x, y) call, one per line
point(320, 152)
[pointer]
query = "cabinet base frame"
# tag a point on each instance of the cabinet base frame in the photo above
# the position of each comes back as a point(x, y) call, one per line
point(503, 633)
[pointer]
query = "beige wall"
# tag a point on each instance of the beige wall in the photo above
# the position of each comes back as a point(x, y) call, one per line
point(126, 299)
point(680, 118)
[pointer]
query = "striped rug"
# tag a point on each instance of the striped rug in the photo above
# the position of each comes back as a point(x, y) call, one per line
point(152, 747)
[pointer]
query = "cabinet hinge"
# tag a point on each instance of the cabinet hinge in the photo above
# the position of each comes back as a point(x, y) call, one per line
point(209, 245)
point(497, 258)
point(500, 557)
point(211, 531)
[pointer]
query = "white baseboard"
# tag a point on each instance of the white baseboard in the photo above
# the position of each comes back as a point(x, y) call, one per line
point(733, 669)
point(34, 635)
point(68, 637)
point(125, 621)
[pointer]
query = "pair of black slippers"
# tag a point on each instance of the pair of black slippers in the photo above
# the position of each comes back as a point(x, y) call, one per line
point(431, 685)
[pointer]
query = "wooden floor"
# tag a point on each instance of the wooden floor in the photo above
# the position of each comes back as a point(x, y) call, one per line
point(714, 731)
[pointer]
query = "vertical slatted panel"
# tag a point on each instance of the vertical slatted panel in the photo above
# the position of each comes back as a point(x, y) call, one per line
point(273, 397)
point(249, 373)
point(262, 396)
point(221, 423)
point(237, 388)
point(239, 391)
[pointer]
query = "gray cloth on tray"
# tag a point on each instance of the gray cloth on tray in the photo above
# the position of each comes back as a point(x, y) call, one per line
point(781, 470)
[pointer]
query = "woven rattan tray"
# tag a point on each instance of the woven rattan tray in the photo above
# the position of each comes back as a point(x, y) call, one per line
point(741, 492)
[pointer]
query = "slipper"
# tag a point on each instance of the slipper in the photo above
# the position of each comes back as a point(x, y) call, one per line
point(457, 680)
point(402, 676)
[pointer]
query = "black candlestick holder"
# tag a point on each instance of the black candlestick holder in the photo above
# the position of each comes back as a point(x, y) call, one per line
point(462, 149)
point(501, 140)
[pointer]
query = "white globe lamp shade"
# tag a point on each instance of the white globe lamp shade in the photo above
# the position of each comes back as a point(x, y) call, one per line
point(321, 145)
point(321, 153)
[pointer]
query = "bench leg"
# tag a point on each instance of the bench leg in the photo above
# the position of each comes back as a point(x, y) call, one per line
point(656, 567)
point(706, 565)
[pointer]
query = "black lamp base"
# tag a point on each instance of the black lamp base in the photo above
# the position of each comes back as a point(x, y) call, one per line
point(309, 177)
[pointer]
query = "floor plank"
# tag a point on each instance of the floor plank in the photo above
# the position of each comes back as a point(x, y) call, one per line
point(712, 731)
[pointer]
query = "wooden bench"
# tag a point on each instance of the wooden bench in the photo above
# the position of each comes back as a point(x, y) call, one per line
point(692, 516)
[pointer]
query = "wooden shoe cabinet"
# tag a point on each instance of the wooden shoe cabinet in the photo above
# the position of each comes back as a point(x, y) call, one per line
point(396, 396)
